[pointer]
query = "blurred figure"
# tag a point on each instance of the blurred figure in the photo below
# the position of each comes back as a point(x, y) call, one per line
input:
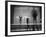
point(20, 19)
point(27, 21)
point(34, 15)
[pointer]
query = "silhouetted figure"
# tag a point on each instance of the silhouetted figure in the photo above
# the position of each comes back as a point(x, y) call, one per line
point(20, 19)
point(34, 14)
point(27, 21)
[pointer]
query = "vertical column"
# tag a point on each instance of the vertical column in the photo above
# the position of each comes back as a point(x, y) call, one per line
point(24, 20)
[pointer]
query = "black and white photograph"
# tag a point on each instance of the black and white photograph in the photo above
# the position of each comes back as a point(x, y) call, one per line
point(25, 18)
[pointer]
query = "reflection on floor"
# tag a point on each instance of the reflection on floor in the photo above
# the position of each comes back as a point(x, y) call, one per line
point(20, 28)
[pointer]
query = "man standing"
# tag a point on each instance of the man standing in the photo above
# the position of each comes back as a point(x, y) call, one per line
point(27, 21)
point(34, 15)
